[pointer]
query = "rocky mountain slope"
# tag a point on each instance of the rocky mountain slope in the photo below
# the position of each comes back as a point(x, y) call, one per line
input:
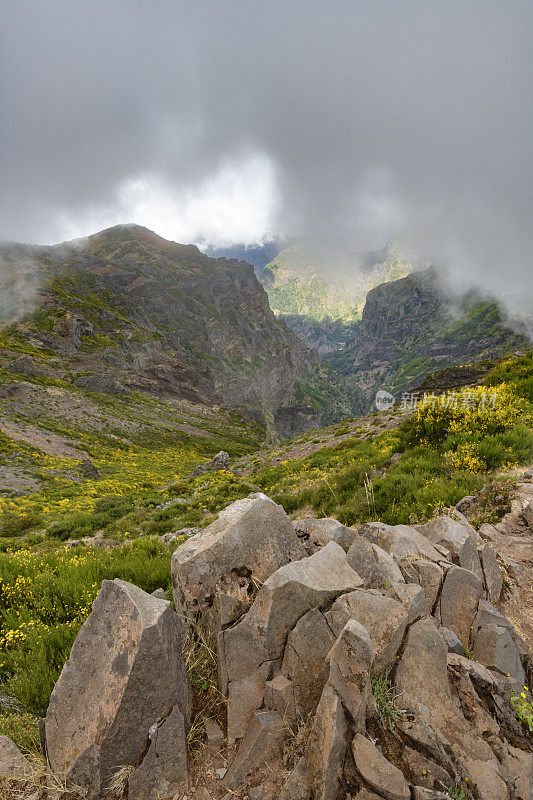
point(410, 328)
point(125, 311)
point(321, 294)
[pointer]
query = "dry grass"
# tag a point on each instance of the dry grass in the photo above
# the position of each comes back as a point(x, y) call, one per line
point(38, 783)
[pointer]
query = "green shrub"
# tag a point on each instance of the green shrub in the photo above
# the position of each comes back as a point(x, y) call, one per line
point(23, 730)
point(17, 525)
point(386, 700)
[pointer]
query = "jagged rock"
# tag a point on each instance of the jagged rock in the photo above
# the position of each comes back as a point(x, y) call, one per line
point(163, 770)
point(262, 743)
point(385, 620)
point(280, 697)
point(315, 533)
point(304, 659)
point(400, 541)
point(227, 609)
point(245, 696)
point(519, 766)
point(452, 641)
point(283, 599)
point(326, 750)
point(494, 647)
point(12, 763)
point(25, 366)
point(466, 504)
point(459, 600)
point(427, 574)
point(218, 462)
point(160, 594)
point(412, 597)
point(478, 674)
point(379, 773)
point(439, 727)
point(447, 532)
point(492, 574)
point(296, 786)
point(350, 661)
point(469, 557)
point(361, 558)
point(387, 569)
point(88, 469)
point(248, 542)
point(124, 681)
point(100, 383)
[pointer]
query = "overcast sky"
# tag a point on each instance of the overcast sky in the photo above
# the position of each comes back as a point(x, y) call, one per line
point(345, 121)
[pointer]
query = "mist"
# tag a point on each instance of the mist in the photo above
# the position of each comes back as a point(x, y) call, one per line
point(345, 123)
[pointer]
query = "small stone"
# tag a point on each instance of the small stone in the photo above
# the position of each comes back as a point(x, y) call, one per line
point(213, 731)
point(221, 773)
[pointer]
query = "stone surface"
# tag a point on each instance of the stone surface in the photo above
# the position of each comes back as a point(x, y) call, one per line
point(459, 600)
point(245, 696)
point(261, 745)
point(350, 662)
point(388, 570)
point(296, 785)
point(279, 696)
point(124, 676)
point(377, 772)
point(385, 620)
point(163, 770)
point(492, 574)
point(426, 573)
point(213, 731)
point(327, 746)
point(220, 461)
point(316, 533)
point(361, 558)
point(283, 599)
point(248, 542)
point(304, 659)
point(439, 727)
point(12, 762)
point(494, 648)
point(447, 532)
point(400, 541)
point(453, 642)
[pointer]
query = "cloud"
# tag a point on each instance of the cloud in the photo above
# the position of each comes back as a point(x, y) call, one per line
point(346, 122)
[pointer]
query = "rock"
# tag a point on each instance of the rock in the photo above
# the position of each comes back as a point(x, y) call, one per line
point(160, 594)
point(284, 598)
point(163, 769)
point(494, 648)
point(350, 661)
point(327, 747)
point(213, 731)
point(519, 766)
point(439, 727)
point(279, 696)
point(466, 504)
point(492, 574)
point(304, 659)
point(12, 763)
point(315, 533)
point(428, 575)
point(261, 745)
point(419, 793)
point(296, 786)
point(385, 620)
point(459, 601)
point(102, 384)
point(447, 532)
point(412, 597)
point(245, 696)
point(361, 558)
point(25, 366)
point(469, 557)
point(124, 682)
point(387, 569)
point(478, 674)
point(400, 541)
point(248, 542)
point(218, 462)
point(452, 641)
point(528, 475)
point(377, 772)
point(88, 469)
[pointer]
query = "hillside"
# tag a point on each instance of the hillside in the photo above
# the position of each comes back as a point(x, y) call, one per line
point(410, 328)
point(127, 311)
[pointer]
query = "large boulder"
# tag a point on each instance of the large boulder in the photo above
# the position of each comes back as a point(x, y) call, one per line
point(123, 698)
point(459, 600)
point(249, 541)
point(315, 533)
point(327, 746)
point(402, 542)
point(377, 772)
point(304, 659)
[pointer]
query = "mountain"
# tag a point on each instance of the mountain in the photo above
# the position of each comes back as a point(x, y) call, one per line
point(409, 328)
point(127, 311)
point(258, 255)
point(321, 293)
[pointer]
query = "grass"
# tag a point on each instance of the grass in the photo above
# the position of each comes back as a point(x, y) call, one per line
point(523, 707)
point(389, 712)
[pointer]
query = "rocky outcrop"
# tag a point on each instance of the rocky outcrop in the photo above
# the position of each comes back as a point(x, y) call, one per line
point(123, 698)
point(13, 765)
point(389, 694)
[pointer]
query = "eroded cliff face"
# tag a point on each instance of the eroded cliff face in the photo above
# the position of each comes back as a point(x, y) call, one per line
point(409, 328)
point(125, 310)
